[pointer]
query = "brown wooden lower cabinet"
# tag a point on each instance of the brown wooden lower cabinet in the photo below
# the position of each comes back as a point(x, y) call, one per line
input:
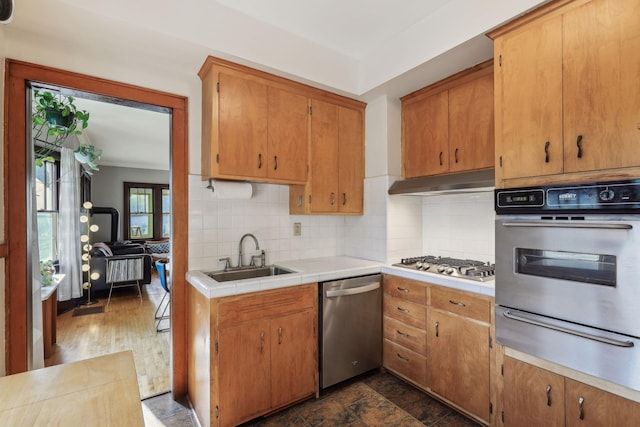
point(407, 363)
point(534, 397)
point(438, 339)
point(262, 354)
point(459, 362)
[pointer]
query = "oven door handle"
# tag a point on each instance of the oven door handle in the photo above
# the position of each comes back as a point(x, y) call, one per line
point(598, 225)
point(352, 291)
point(532, 321)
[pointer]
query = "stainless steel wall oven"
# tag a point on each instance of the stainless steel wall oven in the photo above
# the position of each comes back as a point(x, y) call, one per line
point(568, 276)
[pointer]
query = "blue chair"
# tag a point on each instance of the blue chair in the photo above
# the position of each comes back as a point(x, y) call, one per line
point(161, 268)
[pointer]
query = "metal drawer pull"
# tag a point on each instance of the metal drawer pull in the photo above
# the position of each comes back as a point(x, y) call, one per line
point(603, 226)
point(402, 289)
point(279, 335)
point(275, 163)
point(580, 409)
point(437, 328)
point(402, 357)
point(259, 161)
point(546, 151)
point(548, 391)
point(404, 334)
point(353, 291)
point(605, 340)
point(261, 340)
point(461, 304)
point(404, 310)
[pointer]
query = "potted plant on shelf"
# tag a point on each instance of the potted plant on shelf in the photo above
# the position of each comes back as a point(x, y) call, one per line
point(54, 118)
point(88, 155)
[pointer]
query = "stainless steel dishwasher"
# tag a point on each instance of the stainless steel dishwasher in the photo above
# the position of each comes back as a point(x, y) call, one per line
point(351, 328)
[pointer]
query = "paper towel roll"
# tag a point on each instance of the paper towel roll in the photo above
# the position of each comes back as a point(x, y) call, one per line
point(230, 189)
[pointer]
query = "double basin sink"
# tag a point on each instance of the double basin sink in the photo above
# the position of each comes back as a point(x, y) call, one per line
point(247, 273)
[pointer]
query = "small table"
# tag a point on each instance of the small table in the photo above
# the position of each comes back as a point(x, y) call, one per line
point(98, 391)
point(49, 296)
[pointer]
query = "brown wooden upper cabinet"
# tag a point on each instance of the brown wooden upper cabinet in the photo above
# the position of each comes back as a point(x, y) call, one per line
point(261, 127)
point(336, 176)
point(568, 93)
point(449, 126)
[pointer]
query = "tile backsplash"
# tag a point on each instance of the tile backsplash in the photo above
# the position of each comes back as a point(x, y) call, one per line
point(392, 227)
point(216, 226)
point(459, 226)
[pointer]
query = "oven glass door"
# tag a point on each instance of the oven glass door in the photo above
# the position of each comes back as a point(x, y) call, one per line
point(598, 269)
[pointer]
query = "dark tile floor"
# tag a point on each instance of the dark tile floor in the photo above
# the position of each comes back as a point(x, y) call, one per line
point(378, 399)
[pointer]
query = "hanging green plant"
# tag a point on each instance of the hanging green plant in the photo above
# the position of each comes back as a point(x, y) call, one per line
point(55, 117)
point(88, 155)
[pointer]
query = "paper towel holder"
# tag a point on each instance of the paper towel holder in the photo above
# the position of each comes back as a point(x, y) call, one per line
point(212, 182)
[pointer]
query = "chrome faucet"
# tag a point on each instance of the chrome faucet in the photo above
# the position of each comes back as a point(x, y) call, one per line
point(240, 247)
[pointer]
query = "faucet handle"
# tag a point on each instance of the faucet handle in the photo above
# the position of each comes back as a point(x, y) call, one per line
point(253, 261)
point(227, 262)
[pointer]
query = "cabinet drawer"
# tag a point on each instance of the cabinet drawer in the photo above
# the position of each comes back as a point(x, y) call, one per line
point(407, 336)
point(405, 288)
point(244, 308)
point(405, 362)
point(462, 303)
point(406, 312)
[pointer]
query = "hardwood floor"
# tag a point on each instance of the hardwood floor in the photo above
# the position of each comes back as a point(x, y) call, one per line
point(127, 324)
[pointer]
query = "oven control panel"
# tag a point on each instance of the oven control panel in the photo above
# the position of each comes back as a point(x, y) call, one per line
point(619, 197)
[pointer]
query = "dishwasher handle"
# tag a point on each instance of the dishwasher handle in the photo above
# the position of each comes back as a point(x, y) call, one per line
point(353, 291)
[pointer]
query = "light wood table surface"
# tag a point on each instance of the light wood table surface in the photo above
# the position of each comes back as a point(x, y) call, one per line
point(102, 391)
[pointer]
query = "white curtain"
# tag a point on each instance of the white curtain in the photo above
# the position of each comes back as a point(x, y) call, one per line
point(69, 246)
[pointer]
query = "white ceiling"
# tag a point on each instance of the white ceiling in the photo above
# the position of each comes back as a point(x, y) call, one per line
point(351, 27)
point(128, 137)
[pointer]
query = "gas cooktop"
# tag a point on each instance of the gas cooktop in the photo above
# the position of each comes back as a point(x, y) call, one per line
point(461, 268)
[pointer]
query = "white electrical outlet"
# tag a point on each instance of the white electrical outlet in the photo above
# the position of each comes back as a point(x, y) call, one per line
point(297, 229)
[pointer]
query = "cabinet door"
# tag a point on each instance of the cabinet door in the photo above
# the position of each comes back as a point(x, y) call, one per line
point(288, 152)
point(242, 126)
point(293, 358)
point(471, 125)
point(601, 44)
point(350, 160)
point(425, 136)
point(244, 372)
point(324, 156)
point(532, 396)
point(529, 84)
point(589, 406)
point(459, 361)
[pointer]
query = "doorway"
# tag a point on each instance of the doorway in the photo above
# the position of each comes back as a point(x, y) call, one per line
point(19, 76)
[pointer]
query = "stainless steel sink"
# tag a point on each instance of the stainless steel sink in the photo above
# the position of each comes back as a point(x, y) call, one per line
point(247, 273)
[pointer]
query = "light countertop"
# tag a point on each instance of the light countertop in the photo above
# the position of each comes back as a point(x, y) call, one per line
point(47, 291)
point(325, 269)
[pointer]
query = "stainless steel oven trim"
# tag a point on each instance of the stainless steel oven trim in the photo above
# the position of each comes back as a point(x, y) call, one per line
point(596, 225)
point(538, 321)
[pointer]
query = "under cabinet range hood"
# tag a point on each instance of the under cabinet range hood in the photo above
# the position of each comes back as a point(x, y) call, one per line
point(464, 182)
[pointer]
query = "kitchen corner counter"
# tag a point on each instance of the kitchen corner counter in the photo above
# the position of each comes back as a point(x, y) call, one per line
point(482, 288)
point(324, 269)
point(304, 271)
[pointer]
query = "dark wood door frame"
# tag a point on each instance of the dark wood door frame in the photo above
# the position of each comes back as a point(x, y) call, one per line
point(18, 76)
